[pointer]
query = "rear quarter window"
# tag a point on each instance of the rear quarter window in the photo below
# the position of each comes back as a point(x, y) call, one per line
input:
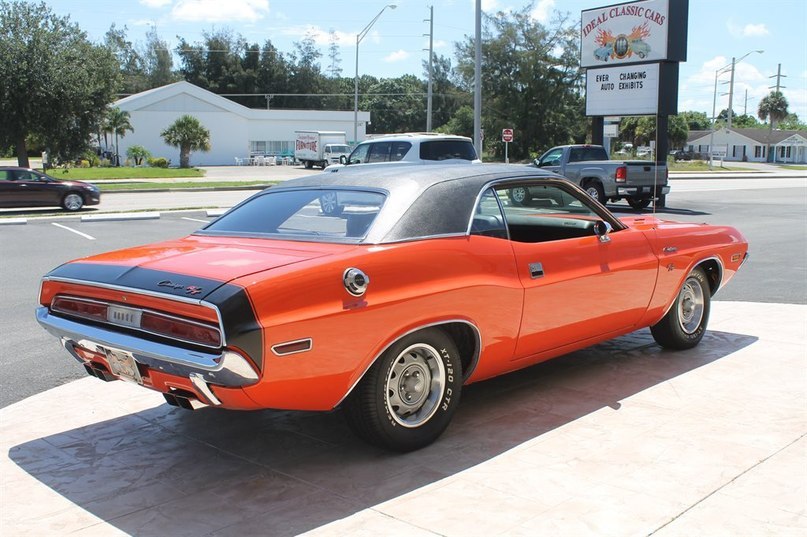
point(447, 149)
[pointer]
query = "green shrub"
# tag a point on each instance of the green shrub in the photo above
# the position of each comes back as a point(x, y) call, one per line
point(84, 163)
point(159, 162)
point(91, 158)
point(138, 154)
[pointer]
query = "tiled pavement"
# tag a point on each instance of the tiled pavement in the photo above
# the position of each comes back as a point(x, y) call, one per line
point(619, 439)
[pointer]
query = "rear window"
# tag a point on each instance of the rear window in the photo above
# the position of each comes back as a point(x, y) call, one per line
point(317, 214)
point(447, 149)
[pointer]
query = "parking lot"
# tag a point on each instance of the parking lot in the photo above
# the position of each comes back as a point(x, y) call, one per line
point(618, 439)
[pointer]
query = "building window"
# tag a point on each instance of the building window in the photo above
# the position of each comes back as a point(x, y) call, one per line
point(784, 151)
point(271, 147)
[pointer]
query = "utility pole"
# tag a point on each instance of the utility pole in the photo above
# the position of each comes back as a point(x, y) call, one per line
point(478, 80)
point(731, 93)
point(745, 106)
point(778, 76)
point(431, 59)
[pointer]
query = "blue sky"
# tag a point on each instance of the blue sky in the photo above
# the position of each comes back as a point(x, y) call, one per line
point(718, 30)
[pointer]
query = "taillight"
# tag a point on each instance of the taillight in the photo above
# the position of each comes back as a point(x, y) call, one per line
point(621, 174)
point(87, 309)
point(180, 329)
point(153, 322)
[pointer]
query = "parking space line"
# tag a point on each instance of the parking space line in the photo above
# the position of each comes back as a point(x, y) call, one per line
point(77, 232)
point(196, 220)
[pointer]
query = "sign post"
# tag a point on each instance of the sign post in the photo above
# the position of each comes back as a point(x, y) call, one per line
point(507, 137)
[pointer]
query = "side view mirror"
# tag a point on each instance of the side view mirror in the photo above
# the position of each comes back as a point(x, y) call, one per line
point(342, 159)
point(602, 229)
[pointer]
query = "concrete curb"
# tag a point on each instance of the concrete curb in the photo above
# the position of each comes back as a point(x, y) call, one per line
point(120, 216)
point(190, 189)
point(12, 221)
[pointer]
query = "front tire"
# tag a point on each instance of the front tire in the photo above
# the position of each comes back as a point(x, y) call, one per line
point(72, 201)
point(407, 398)
point(684, 325)
point(329, 204)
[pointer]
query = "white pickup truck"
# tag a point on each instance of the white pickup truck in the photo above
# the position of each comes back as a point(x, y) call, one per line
point(638, 182)
point(320, 148)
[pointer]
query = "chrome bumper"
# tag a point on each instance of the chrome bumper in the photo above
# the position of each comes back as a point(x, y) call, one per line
point(227, 368)
point(628, 191)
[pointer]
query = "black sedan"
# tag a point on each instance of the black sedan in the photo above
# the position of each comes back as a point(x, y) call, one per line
point(24, 187)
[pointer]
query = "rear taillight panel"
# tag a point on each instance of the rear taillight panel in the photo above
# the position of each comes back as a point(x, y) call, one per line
point(141, 319)
point(621, 174)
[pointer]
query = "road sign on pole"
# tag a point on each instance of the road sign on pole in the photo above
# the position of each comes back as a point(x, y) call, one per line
point(507, 137)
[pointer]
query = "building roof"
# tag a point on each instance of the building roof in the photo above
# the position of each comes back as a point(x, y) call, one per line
point(762, 136)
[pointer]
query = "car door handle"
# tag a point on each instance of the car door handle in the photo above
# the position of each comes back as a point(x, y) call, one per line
point(536, 270)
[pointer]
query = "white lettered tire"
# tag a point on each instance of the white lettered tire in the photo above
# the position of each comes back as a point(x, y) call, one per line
point(407, 398)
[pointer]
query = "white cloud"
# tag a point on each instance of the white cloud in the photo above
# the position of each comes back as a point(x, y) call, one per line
point(437, 44)
point(397, 56)
point(489, 5)
point(155, 3)
point(217, 11)
point(755, 30)
point(698, 91)
point(321, 36)
point(543, 10)
point(749, 30)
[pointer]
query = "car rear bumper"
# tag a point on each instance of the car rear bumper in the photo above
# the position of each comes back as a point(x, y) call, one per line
point(642, 191)
point(224, 368)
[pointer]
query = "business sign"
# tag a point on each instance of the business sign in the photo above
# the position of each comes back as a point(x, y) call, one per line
point(630, 90)
point(631, 33)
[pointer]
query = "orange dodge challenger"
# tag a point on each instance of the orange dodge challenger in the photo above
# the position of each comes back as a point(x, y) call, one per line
point(422, 281)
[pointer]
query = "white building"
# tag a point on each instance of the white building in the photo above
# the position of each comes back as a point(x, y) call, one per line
point(751, 144)
point(235, 130)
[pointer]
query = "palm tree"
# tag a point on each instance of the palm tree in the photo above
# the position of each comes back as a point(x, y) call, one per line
point(188, 134)
point(773, 106)
point(117, 122)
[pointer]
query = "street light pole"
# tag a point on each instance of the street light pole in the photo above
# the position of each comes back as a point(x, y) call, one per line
point(723, 69)
point(359, 36)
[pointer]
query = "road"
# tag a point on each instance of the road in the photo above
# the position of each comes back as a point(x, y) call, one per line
point(771, 212)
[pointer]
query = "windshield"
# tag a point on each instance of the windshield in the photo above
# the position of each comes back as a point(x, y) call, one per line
point(329, 215)
point(337, 149)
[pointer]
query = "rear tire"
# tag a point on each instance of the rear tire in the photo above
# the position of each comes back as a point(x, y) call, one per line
point(407, 398)
point(684, 325)
point(595, 190)
point(638, 204)
point(519, 196)
point(308, 164)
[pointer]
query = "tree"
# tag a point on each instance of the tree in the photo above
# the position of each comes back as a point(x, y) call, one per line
point(157, 60)
point(138, 154)
point(131, 63)
point(792, 123)
point(117, 122)
point(334, 69)
point(397, 105)
point(54, 84)
point(773, 106)
point(188, 134)
point(530, 80)
point(696, 121)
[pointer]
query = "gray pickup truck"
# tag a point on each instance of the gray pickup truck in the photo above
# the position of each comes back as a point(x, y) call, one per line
point(636, 181)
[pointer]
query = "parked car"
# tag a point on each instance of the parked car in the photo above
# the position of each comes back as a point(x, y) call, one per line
point(432, 280)
point(24, 187)
point(411, 148)
point(639, 182)
point(414, 148)
point(683, 155)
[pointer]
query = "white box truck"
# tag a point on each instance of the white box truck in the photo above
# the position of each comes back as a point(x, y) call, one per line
point(320, 148)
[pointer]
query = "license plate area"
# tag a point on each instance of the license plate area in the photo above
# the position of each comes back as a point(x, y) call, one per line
point(123, 316)
point(122, 364)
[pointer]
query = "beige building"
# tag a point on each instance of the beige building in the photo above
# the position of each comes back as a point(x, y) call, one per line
point(752, 145)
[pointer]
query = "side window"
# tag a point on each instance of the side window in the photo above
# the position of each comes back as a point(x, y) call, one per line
point(379, 152)
point(576, 154)
point(488, 219)
point(542, 213)
point(5, 175)
point(447, 149)
point(399, 150)
point(552, 158)
point(27, 176)
point(359, 154)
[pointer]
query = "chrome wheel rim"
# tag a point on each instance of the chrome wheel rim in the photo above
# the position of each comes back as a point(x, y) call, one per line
point(593, 193)
point(519, 194)
point(328, 203)
point(690, 306)
point(73, 202)
point(415, 384)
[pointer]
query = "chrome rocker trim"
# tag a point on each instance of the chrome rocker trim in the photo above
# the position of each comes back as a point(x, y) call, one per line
point(226, 368)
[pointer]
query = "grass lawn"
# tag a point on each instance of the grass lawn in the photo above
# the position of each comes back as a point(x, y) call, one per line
point(124, 172)
point(794, 167)
point(179, 185)
point(701, 166)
